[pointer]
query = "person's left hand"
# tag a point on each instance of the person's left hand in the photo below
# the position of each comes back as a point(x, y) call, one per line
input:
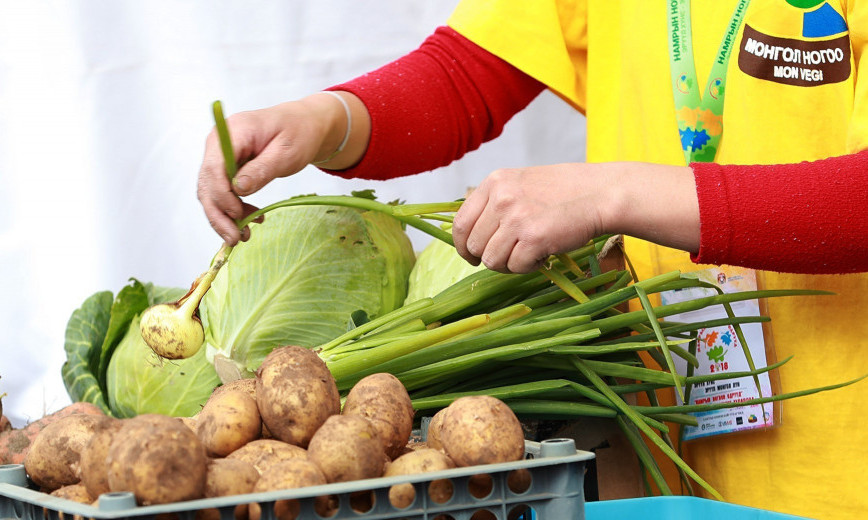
point(517, 218)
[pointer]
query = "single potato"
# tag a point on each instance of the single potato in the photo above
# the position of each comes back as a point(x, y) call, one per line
point(348, 447)
point(54, 458)
point(383, 400)
point(434, 425)
point(229, 420)
point(158, 459)
point(296, 393)
point(481, 430)
point(75, 492)
point(94, 468)
point(228, 477)
point(263, 453)
point(291, 474)
point(420, 461)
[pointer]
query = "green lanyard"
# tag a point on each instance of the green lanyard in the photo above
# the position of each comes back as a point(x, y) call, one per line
point(700, 119)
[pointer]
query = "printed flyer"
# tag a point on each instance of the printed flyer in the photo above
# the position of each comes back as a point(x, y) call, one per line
point(719, 351)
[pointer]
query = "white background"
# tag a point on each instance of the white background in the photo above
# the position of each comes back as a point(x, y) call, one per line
point(104, 108)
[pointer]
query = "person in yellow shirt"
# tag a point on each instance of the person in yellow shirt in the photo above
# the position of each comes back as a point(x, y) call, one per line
point(730, 131)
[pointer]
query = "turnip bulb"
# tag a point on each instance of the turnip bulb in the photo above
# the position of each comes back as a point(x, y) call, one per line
point(174, 330)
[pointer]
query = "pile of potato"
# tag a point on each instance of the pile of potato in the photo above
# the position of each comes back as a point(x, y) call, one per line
point(284, 429)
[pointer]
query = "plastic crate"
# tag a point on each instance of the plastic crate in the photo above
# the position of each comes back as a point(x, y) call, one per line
point(665, 508)
point(555, 492)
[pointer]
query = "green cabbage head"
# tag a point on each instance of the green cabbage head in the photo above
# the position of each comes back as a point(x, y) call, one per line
point(299, 279)
point(438, 266)
point(109, 364)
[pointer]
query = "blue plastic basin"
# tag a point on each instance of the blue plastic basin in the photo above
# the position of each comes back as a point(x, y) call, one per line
point(665, 508)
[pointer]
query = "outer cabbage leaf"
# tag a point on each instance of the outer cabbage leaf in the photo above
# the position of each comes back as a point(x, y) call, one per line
point(299, 279)
point(130, 300)
point(437, 267)
point(140, 382)
point(85, 333)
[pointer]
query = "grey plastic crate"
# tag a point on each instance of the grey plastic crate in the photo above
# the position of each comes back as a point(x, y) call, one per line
point(556, 492)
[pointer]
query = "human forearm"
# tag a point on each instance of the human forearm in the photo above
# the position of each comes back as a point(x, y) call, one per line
point(653, 202)
point(339, 122)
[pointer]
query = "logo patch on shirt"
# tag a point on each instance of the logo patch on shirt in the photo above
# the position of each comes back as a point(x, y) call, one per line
point(794, 62)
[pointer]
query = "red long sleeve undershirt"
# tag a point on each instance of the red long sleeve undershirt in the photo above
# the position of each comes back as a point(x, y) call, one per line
point(435, 104)
point(449, 96)
point(809, 217)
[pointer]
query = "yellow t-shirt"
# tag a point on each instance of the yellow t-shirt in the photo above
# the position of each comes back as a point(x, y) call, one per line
point(610, 60)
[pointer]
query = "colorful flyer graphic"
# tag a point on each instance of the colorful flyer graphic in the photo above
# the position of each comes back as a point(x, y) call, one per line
point(719, 351)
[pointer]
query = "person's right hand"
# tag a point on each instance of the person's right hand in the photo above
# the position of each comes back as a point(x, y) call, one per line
point(276, 142)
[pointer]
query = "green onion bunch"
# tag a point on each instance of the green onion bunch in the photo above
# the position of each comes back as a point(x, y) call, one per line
point(554, 344)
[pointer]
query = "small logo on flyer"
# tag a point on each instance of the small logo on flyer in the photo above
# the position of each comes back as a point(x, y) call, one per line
point(715, 343)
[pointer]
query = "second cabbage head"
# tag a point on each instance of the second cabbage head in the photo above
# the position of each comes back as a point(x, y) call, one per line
point(299, 279)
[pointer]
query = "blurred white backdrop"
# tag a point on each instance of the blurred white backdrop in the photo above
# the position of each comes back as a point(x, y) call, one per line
point(104, 108)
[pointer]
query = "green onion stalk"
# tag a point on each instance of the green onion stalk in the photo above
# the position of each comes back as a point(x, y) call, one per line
point(552, 344)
